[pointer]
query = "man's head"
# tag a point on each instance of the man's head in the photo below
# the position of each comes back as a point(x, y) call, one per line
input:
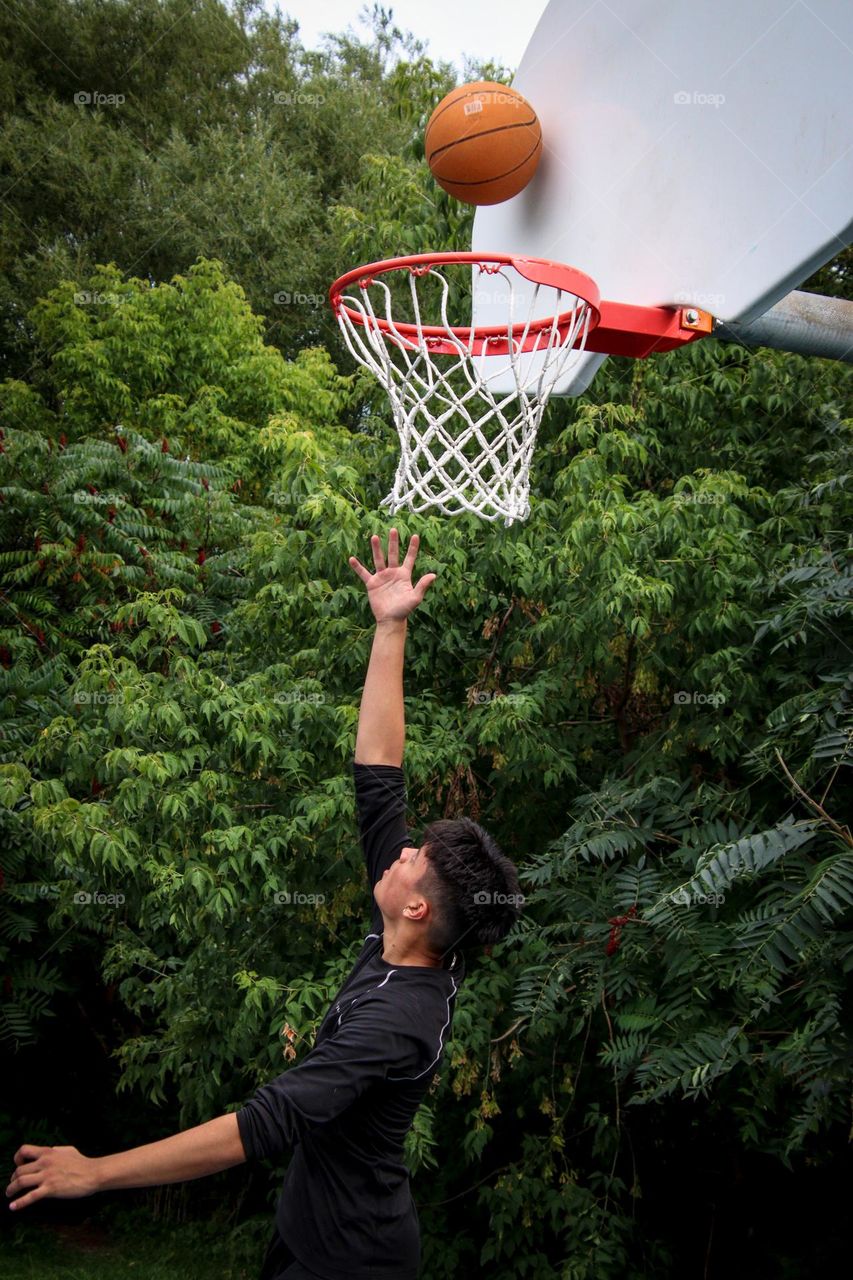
point(456, 891)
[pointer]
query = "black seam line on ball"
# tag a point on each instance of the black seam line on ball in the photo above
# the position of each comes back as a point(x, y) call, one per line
point(484, 133)
point(481, 182)
point(476, 93)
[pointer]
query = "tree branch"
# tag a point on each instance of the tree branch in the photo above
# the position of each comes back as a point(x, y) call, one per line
point(842, 831)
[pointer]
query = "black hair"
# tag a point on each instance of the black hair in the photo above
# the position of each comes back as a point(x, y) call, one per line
point(472, 887)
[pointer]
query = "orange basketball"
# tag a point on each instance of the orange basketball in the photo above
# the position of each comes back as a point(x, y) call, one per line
point(483, 142)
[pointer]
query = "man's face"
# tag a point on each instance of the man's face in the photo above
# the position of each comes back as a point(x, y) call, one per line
point(396, 889)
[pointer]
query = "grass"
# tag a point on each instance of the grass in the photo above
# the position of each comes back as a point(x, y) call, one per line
point(132, 1246)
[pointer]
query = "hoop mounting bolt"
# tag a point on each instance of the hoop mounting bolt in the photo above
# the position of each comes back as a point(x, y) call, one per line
point(693, 318)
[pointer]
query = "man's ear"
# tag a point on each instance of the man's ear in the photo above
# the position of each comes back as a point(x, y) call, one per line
point(417, 909)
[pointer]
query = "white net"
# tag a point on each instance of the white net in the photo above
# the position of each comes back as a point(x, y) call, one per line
point(465, 445)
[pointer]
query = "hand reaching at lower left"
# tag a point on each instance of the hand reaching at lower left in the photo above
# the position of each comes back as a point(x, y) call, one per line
point(51, 1171)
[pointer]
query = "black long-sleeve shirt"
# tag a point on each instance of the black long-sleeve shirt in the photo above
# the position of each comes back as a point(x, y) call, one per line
point(346, 1209)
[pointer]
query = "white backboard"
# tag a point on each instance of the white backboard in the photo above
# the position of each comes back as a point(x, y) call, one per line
point(695, 151)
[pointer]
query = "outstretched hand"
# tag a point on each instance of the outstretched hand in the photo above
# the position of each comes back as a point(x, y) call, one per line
point(50, 1171)
point(390, 589)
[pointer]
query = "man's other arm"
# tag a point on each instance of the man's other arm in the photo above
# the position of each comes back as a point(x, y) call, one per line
point(64, 1173)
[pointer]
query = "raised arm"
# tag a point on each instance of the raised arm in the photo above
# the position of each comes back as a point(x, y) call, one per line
point(381, 720)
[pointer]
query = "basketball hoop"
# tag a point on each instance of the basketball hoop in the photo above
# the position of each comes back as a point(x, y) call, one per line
point(465, 445)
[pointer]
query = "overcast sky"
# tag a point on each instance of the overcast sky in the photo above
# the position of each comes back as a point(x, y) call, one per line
point(497, 29)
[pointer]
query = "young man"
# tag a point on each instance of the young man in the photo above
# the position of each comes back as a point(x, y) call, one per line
point(346, 1210)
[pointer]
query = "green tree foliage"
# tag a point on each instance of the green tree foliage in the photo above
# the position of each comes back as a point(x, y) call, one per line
point(114, 147)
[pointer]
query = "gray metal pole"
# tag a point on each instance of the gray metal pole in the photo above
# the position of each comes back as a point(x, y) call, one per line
point(806, 323)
